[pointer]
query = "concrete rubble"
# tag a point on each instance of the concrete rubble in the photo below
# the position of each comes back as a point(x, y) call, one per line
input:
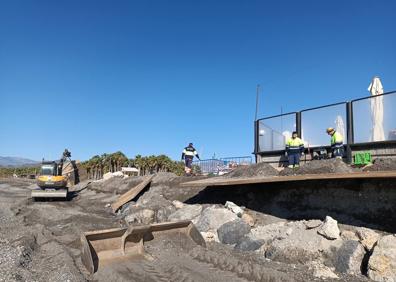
point(234, 208)
point(232, 232)
point(367, 237)
point(186, 212)
point(349, 257)
point(251, 234)
point(248, 243)
point(322, 271)
point(212, 218)
point(141, 215)
point(382, 263)
point(329, 229)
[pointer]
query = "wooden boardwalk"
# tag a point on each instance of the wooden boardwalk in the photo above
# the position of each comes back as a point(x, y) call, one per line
point(222, 181)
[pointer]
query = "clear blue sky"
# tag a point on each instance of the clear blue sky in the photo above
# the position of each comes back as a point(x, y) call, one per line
point(147, 77)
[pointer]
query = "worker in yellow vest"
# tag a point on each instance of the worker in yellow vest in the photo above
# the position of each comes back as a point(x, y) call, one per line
point(336, 142)
point(294, 149)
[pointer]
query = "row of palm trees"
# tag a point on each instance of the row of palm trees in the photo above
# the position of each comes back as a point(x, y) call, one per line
point(19, 171)
point(97, 166)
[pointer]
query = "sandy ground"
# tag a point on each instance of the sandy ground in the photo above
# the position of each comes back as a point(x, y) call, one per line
point(40, 241)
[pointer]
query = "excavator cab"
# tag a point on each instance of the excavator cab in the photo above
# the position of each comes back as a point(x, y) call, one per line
point(49, 168)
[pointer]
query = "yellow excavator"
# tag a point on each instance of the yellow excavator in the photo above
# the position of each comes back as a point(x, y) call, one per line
point(55, 177)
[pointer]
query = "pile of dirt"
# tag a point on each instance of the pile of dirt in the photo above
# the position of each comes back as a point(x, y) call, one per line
point(115, 184)
point(164, 177)
point(319, 167)
point(260, 169)
point(382, 165)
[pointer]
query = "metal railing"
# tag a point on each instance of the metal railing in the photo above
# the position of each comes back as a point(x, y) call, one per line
point(314, 121)
point(353, 119)
point(273, 131)
point(222, 165)
point(374, 118)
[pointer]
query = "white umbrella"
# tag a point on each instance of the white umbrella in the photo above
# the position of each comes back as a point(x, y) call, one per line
point(377, 110)
point(286, 134)
point(340, 126)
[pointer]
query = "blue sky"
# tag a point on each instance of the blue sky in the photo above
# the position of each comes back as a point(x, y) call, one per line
point(147, 77)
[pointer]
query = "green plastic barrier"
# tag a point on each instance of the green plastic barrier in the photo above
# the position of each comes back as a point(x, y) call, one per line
point(362, 158)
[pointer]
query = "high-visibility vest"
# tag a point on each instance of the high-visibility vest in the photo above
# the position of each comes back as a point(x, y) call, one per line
point(336, 140)
point(294, 145)
point(190, 152)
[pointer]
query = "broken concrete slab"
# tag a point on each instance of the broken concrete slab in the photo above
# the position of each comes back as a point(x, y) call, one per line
point(367, 237)
point(231, 232)
point(131, 194)
point(349, 258)
point(234, 208)
point(187, 212)
point(329, 229)
point(293, 243)
point(212, 218)
point(382, 263)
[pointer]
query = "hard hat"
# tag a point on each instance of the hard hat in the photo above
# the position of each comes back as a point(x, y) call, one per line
point(330, 129)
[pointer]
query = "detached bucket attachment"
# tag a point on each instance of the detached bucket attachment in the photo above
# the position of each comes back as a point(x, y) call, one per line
point(104, 247)
point(49, 193)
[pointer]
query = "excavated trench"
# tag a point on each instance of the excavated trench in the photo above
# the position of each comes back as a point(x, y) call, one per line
point(358, 202)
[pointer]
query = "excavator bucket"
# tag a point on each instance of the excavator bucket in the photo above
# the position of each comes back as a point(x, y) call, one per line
point(104, 247)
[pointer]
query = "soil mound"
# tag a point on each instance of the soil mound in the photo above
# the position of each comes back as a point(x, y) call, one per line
point(164, 177)
point(382, 165)
point(115, 184)
point(319, 167)
point(260, 169)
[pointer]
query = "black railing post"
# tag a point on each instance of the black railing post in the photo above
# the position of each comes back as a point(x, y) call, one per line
point(298, 124)
point(256, 138)
point(349, 128)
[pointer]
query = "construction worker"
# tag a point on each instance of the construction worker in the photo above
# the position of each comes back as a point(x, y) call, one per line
point(294, 149)
point(336, 141)
point(188, 155)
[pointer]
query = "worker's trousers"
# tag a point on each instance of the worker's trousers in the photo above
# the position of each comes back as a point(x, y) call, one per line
point(338, 152)
point(188, 161)
point(294, 159)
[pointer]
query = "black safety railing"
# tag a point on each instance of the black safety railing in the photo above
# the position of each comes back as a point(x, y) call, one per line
point(355, 119)
point(374, 119)
point(270, 131)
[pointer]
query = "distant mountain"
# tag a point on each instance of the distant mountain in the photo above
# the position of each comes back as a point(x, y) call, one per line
point(15, 162)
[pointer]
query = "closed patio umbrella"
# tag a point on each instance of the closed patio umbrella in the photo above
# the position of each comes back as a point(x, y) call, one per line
point(377, 110)
point(340, 126)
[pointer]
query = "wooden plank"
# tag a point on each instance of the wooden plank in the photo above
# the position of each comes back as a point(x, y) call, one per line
point(131, 194)
point(218, 181)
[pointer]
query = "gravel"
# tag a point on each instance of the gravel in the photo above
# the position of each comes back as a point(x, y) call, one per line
point(319, 167)
point(381, 165)
point(260, 169)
